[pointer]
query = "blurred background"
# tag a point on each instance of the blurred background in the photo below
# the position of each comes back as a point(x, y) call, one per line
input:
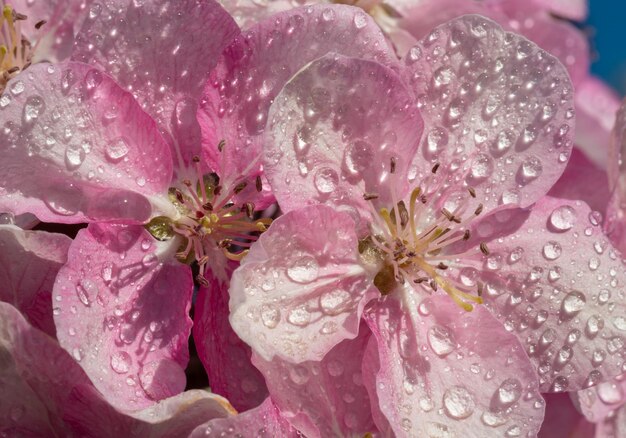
point(607, 29)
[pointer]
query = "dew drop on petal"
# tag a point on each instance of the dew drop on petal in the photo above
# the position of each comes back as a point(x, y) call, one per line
point(116, 149)
point(120, 362)
point(303, 270)
point(441, 340)
point(270, 315)
point(563, 218)
point(335, 301)
point(299, 316)
point(610, 392)
point(573, 303)
point(509, 392)
point(325, 180)
point(458, 402)
point(552, 250)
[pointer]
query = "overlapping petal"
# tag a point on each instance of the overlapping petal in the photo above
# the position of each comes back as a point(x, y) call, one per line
point(573, 9)
point(333, 132)
point(323, 398)
point(301, 289)
point(183, 39)
point(599, 402)
point(498, 110)
point(451, 373)
point(76, 146)
point(254, 69)
point(30, 261)
point(262, 421)
point(562, 419)
point(225, 357)
point(554, 279)
point(123, 314)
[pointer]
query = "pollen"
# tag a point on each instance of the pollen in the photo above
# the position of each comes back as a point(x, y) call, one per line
point(410, 241)
point(16, 52)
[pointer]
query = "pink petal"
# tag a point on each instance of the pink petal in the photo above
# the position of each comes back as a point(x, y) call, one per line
point(599, 402)
point(89, 415)
point(78, 147)
point(583, 180)
point(596, 105)
point(121, 310)
point(562, 419)
point(225, 357)
point(254, 69)
point(119, 34)
point(454, 373)
point(36, 377)
point(248, 13)
point(263, 421)
point(325, 398)
point(554, 280)
point(573, 9)
point(55, 38)
point(333, 132)
point(497, 109)
point(301, 290)
point(30, 261)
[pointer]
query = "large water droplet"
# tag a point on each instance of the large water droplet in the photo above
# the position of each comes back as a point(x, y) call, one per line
point(441, 340)
point(74, 157)
point(509, 392)
point(33, 108)
point(299, 316)
point(481, 168)
point(335, 301)
point(270, 315)
point(86, 290)
point(303, 270)
point(530, 170)
point(117, 149)
point(610, 392)
point(121, 362)
point(573, 303)
point(325, 180)
point(458, 402)
point(552, 250)
point(563, 218)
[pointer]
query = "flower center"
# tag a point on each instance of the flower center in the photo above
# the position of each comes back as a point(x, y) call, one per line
point(410, 243)
point(209, 220)
point(16, 52)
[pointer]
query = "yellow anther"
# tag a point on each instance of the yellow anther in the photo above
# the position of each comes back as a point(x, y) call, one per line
point(3, 52)
point(7, 13)
point(214, 218)
point(384, 213)
point(261, 226)
point(236, 257)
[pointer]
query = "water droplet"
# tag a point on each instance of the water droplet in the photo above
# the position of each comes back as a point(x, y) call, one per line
point(610, 392)
point(481, 168)
point(552, 250)
point(441, 340)
point(33, 108)
point(360, 20)
point(121, 362)
point(303, 270)
point(299, 374)
point(149, 260)
point(328, 14)
point(85, 290)
point(620, 323)
point(563, 218)
point(442, 76)
point(530, 169)
point(458, 402)
point(509, 392)
point(299, 316)
point(93, 78)
point(325, 180)
point(573, 303)
point(595, 323)
point(117, 149)
point(78, 354)
point(335, 301)
point(270, 315)
point(74, 157)
point(17, 88)
point(436, 140)
point(335, 368)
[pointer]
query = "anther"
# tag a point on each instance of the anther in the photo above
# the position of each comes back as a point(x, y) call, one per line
point(423, 199)
point(472, 192)
point(456, 219)
point(195, 159)
point(221, 144)
point(466, 235)
point(480, 289)
point(435, 168)
point(217, 190)
point(483, 248)
point(259, 183)
point(187, 182)
point(239, 187)
point(207, 206)
point(370, 196)
point(40, 24)
point(19, 17)
point(224, 243)
point(248, 208)
point(442, 266)
point(433, 285)
point(478, 210)
point(420, 280)
point(179, 196)
point(13, 70)
point(202, 280)
point(447, 214)
point(393, 165)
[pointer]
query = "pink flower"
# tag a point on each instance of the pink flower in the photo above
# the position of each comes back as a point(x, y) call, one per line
point(407, 234)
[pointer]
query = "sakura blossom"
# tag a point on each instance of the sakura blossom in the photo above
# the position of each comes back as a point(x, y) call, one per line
point(437, 241)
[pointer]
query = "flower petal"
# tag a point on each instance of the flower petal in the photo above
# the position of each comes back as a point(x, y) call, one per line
point(225, 357)
point(456, 373)
point(572, 9)
point(562, 419)
point(90, 415)
point(301, 290)
point(182, 54)
point(555, 281)
point(36, 377)
point(596, 105)
point(123, 314)
point(76, 147)
point(259, 63)
point(599, 402)
point(333, 132)
point(497, 109)
point(323, 398)
point(583, 180)
point(30, 261)
point(262, 421)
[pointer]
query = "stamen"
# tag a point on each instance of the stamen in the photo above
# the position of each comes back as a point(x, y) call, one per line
point(221, 144)
point(393, 165)
point(483, 248)
point(435, 168)
point(259, 183)
point(472, 192)
point(370, 196)
point(40, 24)
point(478, 210)
point(202, 280)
